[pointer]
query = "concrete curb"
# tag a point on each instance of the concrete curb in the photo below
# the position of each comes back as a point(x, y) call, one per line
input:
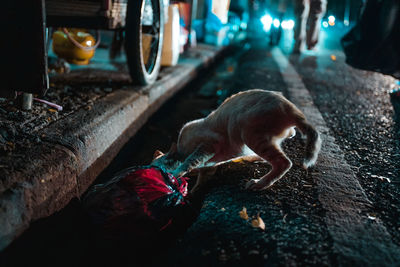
point(81, 145)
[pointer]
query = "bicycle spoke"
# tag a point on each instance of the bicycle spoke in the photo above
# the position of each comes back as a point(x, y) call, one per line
point(147, 41)
point(152, 31)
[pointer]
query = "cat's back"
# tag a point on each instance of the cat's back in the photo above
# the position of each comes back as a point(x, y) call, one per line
point(253, 101)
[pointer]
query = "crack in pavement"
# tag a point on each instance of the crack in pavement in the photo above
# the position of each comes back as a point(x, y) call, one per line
point(358, 239)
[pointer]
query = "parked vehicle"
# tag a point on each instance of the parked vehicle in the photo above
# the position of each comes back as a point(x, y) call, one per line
point(142, 22)
point(25, 53)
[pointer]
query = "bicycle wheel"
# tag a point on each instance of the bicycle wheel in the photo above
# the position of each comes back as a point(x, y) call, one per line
point(144, 29)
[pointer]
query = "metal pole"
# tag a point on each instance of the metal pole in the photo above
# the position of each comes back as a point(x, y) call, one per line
point(26, 101)
point(193, 9)
point(346, 17)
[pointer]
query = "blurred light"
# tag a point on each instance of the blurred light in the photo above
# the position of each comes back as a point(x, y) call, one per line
point(331, 18)
point(346, 22)
point(333, 57)
point(89, 43)
point(277, 23)
point(325, 24)
point(266, 20)
point(331, 23)
point(287, 24)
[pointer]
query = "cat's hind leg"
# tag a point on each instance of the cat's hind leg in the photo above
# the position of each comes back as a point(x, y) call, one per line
point(273, 154)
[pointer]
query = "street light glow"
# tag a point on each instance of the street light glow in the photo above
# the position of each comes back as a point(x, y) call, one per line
point(325, 24)
point(266, 20)
point(287, 24)
point(277, 23)
point(331, 20)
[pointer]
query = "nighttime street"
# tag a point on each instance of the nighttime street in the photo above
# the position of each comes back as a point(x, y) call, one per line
point(93, 123)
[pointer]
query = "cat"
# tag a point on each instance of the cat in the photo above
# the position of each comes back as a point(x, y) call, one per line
point(256, 118)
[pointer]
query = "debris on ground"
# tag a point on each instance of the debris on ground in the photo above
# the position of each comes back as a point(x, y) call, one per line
point(243, 214)
point(258, 222)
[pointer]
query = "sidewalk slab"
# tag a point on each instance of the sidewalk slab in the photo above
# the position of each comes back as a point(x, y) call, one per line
point(40, 180)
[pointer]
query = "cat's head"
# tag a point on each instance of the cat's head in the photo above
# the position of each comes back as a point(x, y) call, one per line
point(169, 161)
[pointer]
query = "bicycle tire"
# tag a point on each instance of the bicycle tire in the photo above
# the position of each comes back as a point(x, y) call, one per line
point(143, 67)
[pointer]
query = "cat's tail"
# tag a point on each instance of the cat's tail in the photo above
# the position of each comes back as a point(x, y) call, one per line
point(313, 143)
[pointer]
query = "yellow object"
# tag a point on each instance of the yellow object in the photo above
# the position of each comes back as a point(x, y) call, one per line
point(258, 222)
point(333, 57)
point(243, 214)
point(65, 48)
point(238, 160)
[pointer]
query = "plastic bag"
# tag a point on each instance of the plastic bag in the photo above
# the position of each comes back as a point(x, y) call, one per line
point(374, 42)
point(139, 204)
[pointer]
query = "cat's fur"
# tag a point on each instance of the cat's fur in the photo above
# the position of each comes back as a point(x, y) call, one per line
point(256, 118)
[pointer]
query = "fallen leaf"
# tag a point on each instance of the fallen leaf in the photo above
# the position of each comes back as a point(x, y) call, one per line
point(239, 160)
point(11, 145)
point(52, 110)
point(284, 218)
point(371, 216)
point(258, 222)
point(243, 214)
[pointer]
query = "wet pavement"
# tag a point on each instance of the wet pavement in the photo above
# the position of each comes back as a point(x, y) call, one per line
point(356, 108)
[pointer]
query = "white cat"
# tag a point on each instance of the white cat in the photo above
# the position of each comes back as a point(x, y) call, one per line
point(256, 118)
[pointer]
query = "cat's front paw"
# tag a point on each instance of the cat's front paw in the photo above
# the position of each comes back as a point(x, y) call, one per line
point(255, 185)
point(251, 184)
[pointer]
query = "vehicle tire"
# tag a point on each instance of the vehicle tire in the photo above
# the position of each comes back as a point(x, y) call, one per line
point(144, 30)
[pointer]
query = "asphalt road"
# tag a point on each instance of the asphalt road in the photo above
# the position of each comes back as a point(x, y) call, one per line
point(342, 212)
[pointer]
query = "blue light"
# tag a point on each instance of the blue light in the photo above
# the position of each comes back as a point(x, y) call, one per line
point(266, 20)
point(325, 24)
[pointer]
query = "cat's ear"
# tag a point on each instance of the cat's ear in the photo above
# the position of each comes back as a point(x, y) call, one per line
point(157, 154)
point(172, 149)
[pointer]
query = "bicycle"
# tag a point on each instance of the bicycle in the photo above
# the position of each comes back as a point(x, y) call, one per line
point(142, 22)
